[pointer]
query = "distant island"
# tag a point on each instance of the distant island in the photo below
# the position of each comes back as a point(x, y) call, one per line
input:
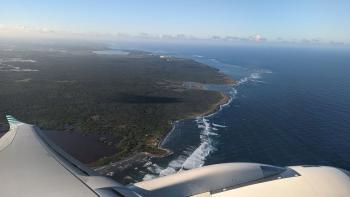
point(125, 102)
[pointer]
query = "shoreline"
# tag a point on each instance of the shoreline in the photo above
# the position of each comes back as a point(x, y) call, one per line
point(143, 157)
point(212, 110)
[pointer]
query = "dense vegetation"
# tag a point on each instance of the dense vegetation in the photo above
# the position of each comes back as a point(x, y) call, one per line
point(134, 97)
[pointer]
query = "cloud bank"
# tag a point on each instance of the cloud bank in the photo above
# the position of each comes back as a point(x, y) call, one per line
point(21, 31)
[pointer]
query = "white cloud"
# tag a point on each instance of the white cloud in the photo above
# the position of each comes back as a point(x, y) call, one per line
point(336, 43)
point(216, 38)
point(21, 28)
point(257, 38)
point(44, 29)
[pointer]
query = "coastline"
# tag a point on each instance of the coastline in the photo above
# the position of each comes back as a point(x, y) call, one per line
point(216, 107)
point(143, 157)
point(212, 110)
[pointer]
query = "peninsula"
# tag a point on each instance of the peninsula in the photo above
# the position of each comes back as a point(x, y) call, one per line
point(124, 103)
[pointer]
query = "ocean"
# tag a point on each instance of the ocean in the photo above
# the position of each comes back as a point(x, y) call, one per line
point(291, 106)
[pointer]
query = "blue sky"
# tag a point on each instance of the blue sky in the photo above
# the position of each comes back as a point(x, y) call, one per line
point(324, 20)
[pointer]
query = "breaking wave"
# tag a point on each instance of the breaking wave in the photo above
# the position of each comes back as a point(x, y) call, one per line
point(253, 77)
point(195, 157)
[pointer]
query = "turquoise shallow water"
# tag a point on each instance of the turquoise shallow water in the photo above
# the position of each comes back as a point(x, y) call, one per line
point(290, 107)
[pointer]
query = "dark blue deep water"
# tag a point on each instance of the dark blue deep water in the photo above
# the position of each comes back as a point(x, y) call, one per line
point(291, 107)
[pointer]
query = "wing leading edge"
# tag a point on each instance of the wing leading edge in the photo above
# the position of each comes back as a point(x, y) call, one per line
point(30, 165)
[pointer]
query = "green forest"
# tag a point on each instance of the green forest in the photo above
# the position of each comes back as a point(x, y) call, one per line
point(133, 97)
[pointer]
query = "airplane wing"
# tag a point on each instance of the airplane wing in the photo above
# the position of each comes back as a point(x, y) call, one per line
point(32, 166)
